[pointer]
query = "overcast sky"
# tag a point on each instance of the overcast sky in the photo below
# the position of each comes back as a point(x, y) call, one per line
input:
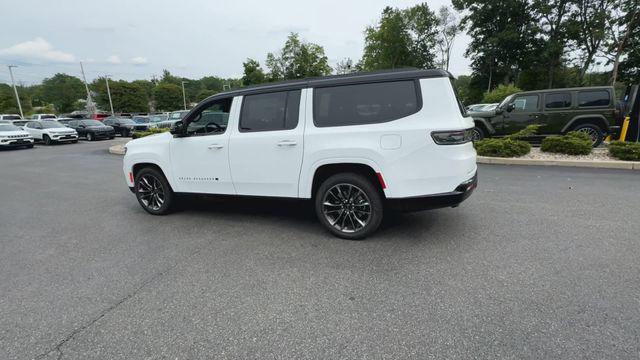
point(137, 39)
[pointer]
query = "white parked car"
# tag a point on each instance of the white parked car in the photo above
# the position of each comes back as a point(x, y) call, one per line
point(43, 117)
point(51, 131)
point(354, 144)
point(10, 117)
point(13, 136)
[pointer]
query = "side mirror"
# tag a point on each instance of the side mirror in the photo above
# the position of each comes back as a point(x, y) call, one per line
point(81, 126)
point(510, 107)
point(178, 128)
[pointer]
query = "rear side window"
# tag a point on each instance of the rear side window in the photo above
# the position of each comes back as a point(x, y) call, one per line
point(364, 103)
point(270, 112)
point(593, 98)
point(557, 101)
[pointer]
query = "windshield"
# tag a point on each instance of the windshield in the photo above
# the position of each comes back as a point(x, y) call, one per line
point(47, 117)
point(8, 127)
point(52, 125)
point(140, 120)
point(178, 115)
point(506, 101)
point(126, 121)
point(157, 118)
point(91, 123)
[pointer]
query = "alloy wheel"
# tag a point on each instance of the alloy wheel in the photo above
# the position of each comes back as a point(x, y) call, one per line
point(151, 192)
point(594, 135)
point(347, 208)
point(475, 135)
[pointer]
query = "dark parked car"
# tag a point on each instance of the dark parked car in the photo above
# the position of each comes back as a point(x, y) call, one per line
point(140, 119)
point(124, 126)
point(92, 129)
point(591, 110)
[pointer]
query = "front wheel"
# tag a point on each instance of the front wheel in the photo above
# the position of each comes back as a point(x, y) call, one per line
point(46, 139)
point(90, 137)
point(153, 191)
point(594, 132)
point(477, 134)
point(349, 206)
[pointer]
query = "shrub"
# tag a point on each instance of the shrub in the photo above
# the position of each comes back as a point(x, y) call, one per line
point(502, 147)
point(151, 131)
point(500, 93)
point(526, 132)
point(573, 143)
point(625, 150)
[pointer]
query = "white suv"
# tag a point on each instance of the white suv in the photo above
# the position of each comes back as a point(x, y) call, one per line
point(355, 144)
point(50, 131)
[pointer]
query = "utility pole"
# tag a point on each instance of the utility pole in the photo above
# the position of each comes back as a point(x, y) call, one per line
point(15, 90)
point(106, 78)
point(184, 96)
point(84, 78)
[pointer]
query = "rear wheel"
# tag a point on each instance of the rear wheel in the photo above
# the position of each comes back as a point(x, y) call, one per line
point(349, 206)
point(153, 191)
point(595, 133)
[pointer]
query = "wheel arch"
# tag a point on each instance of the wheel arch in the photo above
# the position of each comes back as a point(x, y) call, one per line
point(598, 120)
point(484, 125)
point(323, 171)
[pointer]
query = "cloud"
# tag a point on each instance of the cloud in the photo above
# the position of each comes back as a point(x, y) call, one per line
point(114, 59)
point(139, 60)
point(36, 50)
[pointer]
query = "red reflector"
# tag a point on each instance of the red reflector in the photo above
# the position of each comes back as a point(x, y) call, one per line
point(381, 180)
point(131, 176)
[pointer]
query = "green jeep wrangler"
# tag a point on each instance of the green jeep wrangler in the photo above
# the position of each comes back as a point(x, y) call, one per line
point(592, 110)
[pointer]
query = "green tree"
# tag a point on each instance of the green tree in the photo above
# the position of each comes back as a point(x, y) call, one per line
point(253, 73)
point(126, 96)
point(205, 94)
point(402, 38)
point(168, 97)
point(500, 93)
point(63, 91)
point(504, 38)
point(298, 59)
point(8, 102)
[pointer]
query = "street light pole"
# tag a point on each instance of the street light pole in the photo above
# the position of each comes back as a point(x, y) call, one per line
point(184, 96)
point(106, 78)
point(15, 90)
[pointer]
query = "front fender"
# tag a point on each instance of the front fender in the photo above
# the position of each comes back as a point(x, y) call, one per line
point(487, 125)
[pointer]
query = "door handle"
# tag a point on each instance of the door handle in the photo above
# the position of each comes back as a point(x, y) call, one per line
point(215, 146)
point(287, 143)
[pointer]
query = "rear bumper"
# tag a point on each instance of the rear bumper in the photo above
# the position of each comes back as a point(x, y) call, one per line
point(428, 202)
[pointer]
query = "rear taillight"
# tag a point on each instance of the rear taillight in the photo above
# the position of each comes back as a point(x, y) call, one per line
point(452, 137)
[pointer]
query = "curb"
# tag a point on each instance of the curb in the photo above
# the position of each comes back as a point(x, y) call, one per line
point(628, 165)
point(117, 149)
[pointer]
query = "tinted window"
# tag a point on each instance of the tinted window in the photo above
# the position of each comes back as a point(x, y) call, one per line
point(557, 101)
point(526, 103)
point(593, 98)
point(364, 103)
point(268, 112)
point(74, 123)
point(212, 119)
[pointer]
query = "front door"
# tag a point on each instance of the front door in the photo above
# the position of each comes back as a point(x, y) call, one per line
point(266, 147)
point(526, 112)
point(200, 158)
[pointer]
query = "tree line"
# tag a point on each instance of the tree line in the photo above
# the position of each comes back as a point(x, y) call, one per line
point(515, 45)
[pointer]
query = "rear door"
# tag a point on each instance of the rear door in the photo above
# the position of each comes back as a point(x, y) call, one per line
point(557, 112)
point(266, 147)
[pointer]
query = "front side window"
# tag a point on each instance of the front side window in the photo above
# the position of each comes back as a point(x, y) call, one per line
point(526, 103)
point(593, 98)
point(52, 125)
point(211, 119)
point(270, 112)
point(557, 101)
point(364, 103)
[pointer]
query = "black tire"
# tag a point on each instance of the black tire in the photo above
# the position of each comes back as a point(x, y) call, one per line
point(46, 139)
point(30, 146)
point(112, 137)
point(594, 131)
point(89, 136)
point(478, 133)
point(330, 207)
point(154, 202)
point(74, 141)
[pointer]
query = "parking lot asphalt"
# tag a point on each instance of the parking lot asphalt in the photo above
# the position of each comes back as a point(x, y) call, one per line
point(538, 263)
